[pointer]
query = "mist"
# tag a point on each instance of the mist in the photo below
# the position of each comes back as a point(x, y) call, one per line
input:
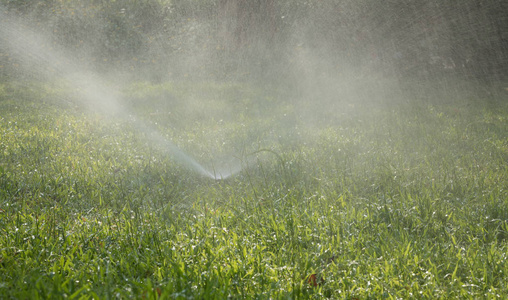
point(216, 149)
point(56, 64)
point(326, 61)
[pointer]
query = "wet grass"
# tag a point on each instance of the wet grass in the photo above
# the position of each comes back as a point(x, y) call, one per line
point(390, 201)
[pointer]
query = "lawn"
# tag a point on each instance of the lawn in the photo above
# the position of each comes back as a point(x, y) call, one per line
point(399, 199)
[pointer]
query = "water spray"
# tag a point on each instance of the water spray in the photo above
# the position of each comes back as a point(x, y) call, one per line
point(28, 46)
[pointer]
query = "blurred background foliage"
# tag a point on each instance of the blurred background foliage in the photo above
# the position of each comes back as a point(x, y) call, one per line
point(161, 40)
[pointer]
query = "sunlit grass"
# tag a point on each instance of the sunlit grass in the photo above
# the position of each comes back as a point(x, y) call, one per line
point(391, 201)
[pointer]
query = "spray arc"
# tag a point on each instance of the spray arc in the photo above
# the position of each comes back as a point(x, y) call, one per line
point(57, 64)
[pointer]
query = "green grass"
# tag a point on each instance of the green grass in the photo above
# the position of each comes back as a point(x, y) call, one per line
point(387, 201)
